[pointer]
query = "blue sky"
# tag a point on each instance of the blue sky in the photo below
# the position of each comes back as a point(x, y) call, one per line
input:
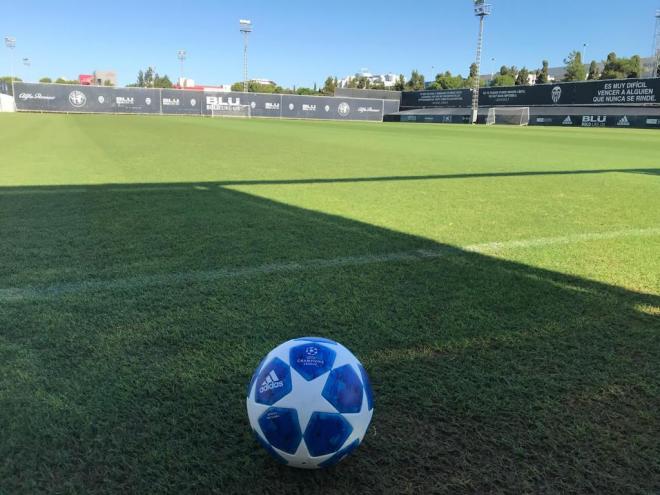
point(296, 42)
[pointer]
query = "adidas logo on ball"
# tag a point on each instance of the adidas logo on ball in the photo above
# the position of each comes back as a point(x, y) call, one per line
point(272, 382)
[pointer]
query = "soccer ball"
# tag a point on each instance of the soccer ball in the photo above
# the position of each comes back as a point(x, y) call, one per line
point(310, 403)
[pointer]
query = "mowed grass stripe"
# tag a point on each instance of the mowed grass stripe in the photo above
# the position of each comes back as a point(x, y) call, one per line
point(143, 281)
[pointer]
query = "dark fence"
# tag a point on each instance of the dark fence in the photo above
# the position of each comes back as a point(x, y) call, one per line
point(598, 120)
point(437, 98)
point(96, 99)
point(375, 94)
point(614, 92)
point(637, 92)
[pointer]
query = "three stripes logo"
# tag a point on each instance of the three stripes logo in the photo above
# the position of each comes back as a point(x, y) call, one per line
point(271, 383)
point(623, 121)
point(568, 121)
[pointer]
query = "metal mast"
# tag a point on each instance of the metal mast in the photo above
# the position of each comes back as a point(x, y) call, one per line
point(10, 42)
point(181, 55)
point(656, 45)
point(481, 10)
point(246, 29)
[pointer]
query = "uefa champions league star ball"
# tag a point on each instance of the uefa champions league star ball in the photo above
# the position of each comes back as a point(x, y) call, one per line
point(310, 403)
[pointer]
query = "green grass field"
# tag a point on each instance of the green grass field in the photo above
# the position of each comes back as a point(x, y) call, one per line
point(501, 286)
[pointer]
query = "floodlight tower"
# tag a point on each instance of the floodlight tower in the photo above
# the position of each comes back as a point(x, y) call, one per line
point(656, 52)
point(181, 55)
point(27, 63)
point(10, 42)
point(481, 10)
point(246, 29)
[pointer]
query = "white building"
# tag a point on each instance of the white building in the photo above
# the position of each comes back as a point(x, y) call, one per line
point(387, 80)
point(265, 82)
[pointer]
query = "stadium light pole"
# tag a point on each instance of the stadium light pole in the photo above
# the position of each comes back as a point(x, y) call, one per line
point(481, 10)
point(656, 45)
point(10, 42)
point(492, 69)
point(246, 29)
point(181, 55)
point(584, 58)
point(26, 62)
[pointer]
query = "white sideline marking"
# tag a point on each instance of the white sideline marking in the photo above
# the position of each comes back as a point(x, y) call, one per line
point(98, 189)
point(144, 281)
point(569, 239)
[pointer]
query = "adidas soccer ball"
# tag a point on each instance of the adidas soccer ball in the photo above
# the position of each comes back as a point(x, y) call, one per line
point(310, 403)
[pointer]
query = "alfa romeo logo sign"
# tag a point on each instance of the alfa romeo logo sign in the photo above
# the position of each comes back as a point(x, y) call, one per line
point(344, 109)
point(77, 98)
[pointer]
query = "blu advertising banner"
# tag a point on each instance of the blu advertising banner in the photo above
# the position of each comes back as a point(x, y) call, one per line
point(98, 99)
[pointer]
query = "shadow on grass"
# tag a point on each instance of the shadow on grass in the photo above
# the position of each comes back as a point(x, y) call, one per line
point(337, 180)
point(650, 171)
point(490, 376)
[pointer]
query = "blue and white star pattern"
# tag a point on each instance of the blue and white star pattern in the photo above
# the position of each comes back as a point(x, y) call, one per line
point(310, 403)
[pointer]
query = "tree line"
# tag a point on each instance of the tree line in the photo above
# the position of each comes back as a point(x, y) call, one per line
point(149, 78)
point(613, 68)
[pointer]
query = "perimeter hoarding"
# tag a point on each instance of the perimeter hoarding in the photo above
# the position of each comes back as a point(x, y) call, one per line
point(97, 99)
point(297, 106)
point(177, 102)
point(329, 108)
point(261, 105)
point(85, 99)
point(597, 120)
point(455, 98)
point(640, 92)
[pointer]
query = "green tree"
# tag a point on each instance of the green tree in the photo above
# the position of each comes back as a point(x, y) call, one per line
point(416, 82)
point(612, 68)
point(361, 82)
point(305, 91)
point(503, 80)
point(45, 80)
point(543, 76)
point(447, 81)
point(148, 77)
point(61, 80)
point(400, 83)
point(140, 79)
point(162, 82)
point(506, 76)
point(330, 85)
point(622, 68)
point(594, 73)
point(632, 67)
point(574, 67)
point(107, 83)
point(473, 71)
point(522, 79)
point(469, 82)
point(256, 87)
